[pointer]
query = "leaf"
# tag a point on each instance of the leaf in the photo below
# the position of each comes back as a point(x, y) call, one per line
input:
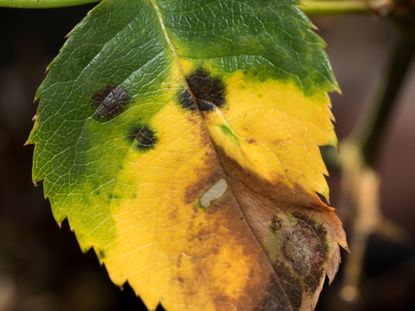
point(42, 4)
point(181, 141)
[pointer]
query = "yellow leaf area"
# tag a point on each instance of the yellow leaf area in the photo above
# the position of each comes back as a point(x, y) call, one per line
point(225, 215)
point(278, 131)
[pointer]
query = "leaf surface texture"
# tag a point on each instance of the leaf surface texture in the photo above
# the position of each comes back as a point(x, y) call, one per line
point(181, 141)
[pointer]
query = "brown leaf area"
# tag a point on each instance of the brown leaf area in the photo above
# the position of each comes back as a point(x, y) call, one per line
point(299, 234)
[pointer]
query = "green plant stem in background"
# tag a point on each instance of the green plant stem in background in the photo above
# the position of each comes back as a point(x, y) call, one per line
point(42, 4)
point(331, 7)
point(373, 124)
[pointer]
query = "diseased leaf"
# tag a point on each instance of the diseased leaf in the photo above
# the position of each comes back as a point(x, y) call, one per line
point(181, 141)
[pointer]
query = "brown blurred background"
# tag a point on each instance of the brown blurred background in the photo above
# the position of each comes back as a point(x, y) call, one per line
point(41, 266)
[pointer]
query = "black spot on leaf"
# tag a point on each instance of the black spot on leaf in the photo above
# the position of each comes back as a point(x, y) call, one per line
point(110, 102)
point(145, 137)
point(208, 91)
point(205, 105)
point(275, 224)
point(186, 100)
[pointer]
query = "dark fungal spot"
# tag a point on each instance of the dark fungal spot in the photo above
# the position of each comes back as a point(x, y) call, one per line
point(186, 100)
point(208, 91)
point(320, 251)
point(306, 248)
point(109, 102)
point(145, 137)
point(297, 249)
point(275, 224)
point(312, 281)
point(205, 105)
point(317, 228)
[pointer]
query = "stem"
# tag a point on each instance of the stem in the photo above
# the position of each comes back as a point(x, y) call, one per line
point(373, 124)
point(42, 4)
point(330, 7)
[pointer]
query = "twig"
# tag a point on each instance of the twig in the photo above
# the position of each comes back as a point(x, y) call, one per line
point(373, 124)
point(359, 155)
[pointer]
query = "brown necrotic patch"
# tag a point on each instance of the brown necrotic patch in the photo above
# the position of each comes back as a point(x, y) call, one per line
point(208, 92)
point(291, 284)
point(110, 102)
point(273, 298)
point(144, 136)
point(305, 247)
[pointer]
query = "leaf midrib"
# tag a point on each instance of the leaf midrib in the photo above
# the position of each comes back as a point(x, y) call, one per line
point(176, 60)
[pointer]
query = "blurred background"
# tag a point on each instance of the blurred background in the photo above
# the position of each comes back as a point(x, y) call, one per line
point(42, 267)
